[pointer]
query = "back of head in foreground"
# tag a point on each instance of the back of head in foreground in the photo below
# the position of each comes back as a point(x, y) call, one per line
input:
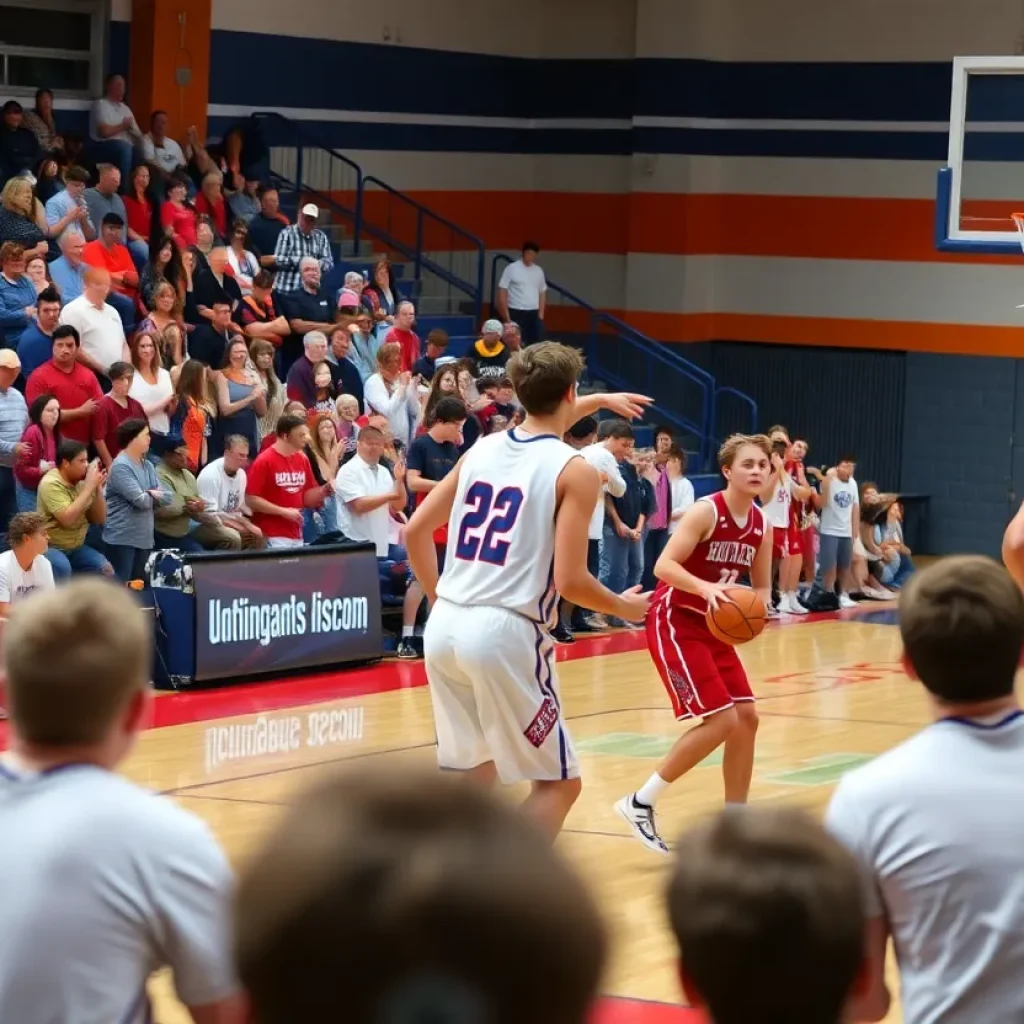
point(766, 908)
point(544, 377)
point(407, 896)
point(962, 625)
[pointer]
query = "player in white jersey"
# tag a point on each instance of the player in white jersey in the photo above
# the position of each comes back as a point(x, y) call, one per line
point(518, 506)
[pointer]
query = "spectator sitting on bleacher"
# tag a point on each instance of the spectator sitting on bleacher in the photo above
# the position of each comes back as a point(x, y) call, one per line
point(42, 124)
point(98, 324)
point(300, 385)
point(178, 216)
point(257, 316)
point(13, 421)
point(242, 262)
point(66, 208)
point(365, 345)
point(380, 296)
point(19, 148)
point(244, 204)
point(68, 270)
point(38, 454)
point(351, 292)
point(163, 154)
point(108, 253)
point(73, 384)
point(214, 284)
point(113, 127)
point(71, 498)
point(437, 345)
point(35, 346)
point(211, 203)
point(266, 227)
point(489, 352)
point(103, 198)
point(222, 487)
point(17, 294)
point(18, 218)
point(512, 337)
point(345, 376)
point(298, 242)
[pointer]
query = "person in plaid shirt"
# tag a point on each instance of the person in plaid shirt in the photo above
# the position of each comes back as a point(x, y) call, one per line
point(296, 242)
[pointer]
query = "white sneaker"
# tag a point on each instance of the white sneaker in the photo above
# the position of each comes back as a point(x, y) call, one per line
point(640, 818)
point(845, 602)
point(876, 594)
point(783, 605)
point(795, 607)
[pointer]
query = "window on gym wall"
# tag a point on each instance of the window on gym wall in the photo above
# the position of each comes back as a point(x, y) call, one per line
point(57, 44)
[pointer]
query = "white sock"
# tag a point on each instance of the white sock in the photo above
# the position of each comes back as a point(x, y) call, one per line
point(649, 792)
point(408, 631)
point(794, 597)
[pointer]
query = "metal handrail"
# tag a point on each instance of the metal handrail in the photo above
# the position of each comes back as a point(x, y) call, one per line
point(743, 397)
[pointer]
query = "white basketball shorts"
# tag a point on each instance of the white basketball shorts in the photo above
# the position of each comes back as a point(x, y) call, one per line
point(495, 694)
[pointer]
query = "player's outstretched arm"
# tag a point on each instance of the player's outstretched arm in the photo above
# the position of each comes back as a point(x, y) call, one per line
point(1013, 548)
point(622, 403)
point(578, 487)
point(419, 534)
point(697, 523)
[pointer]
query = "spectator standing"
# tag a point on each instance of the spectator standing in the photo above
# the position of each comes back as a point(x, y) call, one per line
point(194, 413)
point(839, 502)
point(308, 309)
point(365, 345)
point(114, 409)
point(262, 355)
point(13, 421)
point(109, 881)
point(151, 383)
point(97, 323)
point(682, 488)
point(257, 316)
point(345, 376)
point(104, 199)
point(266, 227)
point(368, 493)
point(113, 128)
point(67, 209)
point(392, 392)
point(73, 384)
point(139, 206)
point(522, 294)
point(381, 297)
point(622, 552)
point(297, 243)
point(244, 204)
point(39, 451)
point(243, 263)
point(656, 535)
point(281, 485)
point(404, 336)
point(42, 124)
point(133, 490)
point(71, 498)
point(17, 294)
point(68, 271)
point(768, 897)
point(222, 486)
point(18, 218)
point(490, 353)
point(934, 822)
point(324, 453)
point(209, 341)
point(178, 217)
point(107, 253)
point(24, 569)
point(241, 399)
point(162, 153)
point(19, 147)
point(436, 345)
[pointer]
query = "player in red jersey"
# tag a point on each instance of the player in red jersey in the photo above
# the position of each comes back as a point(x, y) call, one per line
point(720, 538)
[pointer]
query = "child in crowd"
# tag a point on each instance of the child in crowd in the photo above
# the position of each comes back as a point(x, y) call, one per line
point(347, 409)
point(323, 403)
point(680, 488)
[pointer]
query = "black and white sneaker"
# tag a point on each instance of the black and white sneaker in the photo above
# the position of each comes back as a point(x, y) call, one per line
point(641, 820)
point(561, 634)
point(406, 650)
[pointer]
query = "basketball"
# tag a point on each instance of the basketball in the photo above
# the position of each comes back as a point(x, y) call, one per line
point(739, 618)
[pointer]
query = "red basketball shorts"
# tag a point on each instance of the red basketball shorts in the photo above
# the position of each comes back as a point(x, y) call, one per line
point(786, 541)
point(702, 675)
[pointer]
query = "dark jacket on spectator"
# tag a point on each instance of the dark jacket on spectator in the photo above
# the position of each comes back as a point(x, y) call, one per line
point(639, 497)
point(19, 151)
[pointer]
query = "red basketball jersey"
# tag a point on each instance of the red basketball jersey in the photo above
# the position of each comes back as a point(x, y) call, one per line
point(724, 557)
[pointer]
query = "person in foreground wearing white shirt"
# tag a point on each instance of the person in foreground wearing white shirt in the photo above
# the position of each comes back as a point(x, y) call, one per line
point(681, 488)
point(24, 569)
point(222, 487)
point(367, 492)
point(522, 294)
point(104, 882)
point(937, 822)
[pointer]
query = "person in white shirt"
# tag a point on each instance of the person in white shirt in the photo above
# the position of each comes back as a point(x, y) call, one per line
point(159, 150)
point(113, 128)
point(98, 324)
point(393, 393)
point(104, 882)
point(24, 569)
point(937, 823)
point(367, 492)
point(222, 486)
point(522, 294)
point(681, 488)
point(839, 502)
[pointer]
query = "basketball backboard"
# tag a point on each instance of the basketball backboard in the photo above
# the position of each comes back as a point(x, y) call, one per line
point(982, 186)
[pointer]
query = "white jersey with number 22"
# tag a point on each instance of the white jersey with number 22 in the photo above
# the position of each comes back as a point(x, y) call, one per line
point(501, 535)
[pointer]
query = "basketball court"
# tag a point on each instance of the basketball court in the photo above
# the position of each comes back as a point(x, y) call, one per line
point(831, 693)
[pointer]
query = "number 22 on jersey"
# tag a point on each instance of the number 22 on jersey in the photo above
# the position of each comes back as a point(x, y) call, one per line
point(487, 521)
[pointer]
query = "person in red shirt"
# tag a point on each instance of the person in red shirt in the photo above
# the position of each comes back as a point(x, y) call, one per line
point(137, 204)
point(211, 203)
point(73, 385)
point(107, 253)
point(281, 485)
point(114, 408)
point(177, 216)
point(403, 334)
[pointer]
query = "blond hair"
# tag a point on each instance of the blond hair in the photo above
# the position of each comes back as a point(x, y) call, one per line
point(388, 353)
point(731, 447)
point(75, 658)
point(11, 198)
point(428, 894)
point(543, 375)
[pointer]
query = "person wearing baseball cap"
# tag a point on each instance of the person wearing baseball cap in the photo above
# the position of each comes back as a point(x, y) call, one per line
point(297, 242)
point(13, 421)
point(490, 352)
